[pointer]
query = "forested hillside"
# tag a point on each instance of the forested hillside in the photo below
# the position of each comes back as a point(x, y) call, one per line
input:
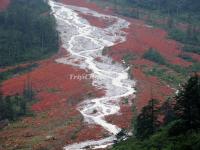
point(179, 128)
point(173, 7)
point(180, 18)
point(27, 32)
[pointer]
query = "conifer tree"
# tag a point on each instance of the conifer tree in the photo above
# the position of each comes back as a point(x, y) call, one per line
point(167, 109)
point(147, 120)
point(188, 103)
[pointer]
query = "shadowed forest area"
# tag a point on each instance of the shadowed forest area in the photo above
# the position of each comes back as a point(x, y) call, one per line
point(27, 32)
point(174, 125)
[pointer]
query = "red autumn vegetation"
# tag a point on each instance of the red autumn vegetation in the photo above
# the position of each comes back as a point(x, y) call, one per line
point(87, 4)
point(58, 96)
point(141, 37)
point(149, 87)
point(123, 118)
point(56, 107)
point(98, 22)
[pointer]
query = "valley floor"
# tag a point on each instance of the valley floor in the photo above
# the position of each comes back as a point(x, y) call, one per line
point(56, 121)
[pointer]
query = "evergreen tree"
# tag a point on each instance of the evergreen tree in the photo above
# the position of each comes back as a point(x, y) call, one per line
point(13, 107)
point(170, 22)
point(147, 120)
point(167, 109)
point(28, 34)
point(188, 103)
point(8, 110)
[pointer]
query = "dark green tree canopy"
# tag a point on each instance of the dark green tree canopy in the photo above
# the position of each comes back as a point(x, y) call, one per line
point(147, 121)
point(188, 103)
point(27, 32)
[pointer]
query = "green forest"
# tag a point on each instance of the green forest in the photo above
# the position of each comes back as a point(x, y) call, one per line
point(174, 125)
point(14, 107)
point(177, 7)
point(27, 32)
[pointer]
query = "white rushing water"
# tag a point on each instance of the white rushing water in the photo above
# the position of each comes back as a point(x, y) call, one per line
point(85, 43)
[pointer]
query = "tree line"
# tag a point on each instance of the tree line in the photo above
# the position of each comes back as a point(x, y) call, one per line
point(174, 12)
point(176, 7)
point(15, 106)
point(184, 107)
point(174, 125)
point(27, 32)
